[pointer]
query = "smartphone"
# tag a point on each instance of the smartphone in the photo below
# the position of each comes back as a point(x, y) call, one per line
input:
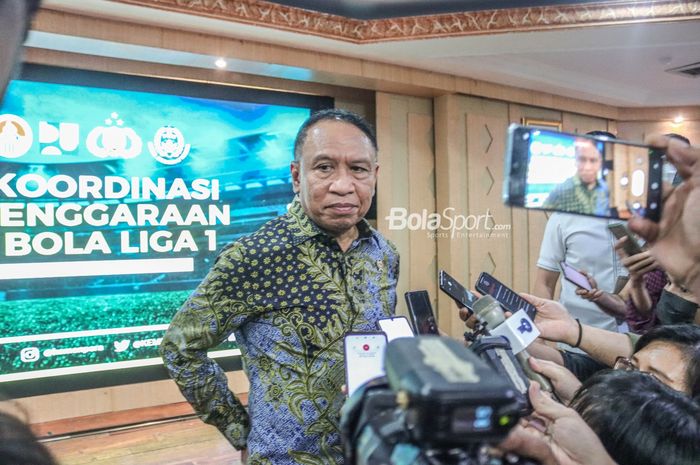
point(454, 289)
point(574, 276)
point(509, 300)
point(364, 358)
point(421, 312)
point(631, 245)
point(573, 173)
point(395, 327)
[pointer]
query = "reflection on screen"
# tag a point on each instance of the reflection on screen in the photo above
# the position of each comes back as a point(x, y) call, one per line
point(364, 359)
point(395, 328)
point(580, 175)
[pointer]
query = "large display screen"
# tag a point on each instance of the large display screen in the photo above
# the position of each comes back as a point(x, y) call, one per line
point(116, 193)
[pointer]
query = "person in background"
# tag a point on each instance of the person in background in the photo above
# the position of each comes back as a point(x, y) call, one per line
point(289, 293)
point(675, 240)
point(18, 445)
point(672, 353)
point(639, 420)
point(585, 192)
point(586, 244)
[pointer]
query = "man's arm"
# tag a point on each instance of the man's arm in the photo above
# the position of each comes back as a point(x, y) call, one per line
point(545, 283)
point(556, 324)
point(197, 327)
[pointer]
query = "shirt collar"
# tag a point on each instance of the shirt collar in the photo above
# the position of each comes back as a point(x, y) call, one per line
point(303, 227)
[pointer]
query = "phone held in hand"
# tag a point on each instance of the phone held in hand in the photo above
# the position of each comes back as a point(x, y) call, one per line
point(364, 358)
point(421, 312)
point(460, 294)
point(631, 246)
point(395, 327)
point(573, 173)
point(509, 299)
point(574, 276)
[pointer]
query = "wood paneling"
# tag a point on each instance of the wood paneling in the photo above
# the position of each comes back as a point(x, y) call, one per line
point(407, 182)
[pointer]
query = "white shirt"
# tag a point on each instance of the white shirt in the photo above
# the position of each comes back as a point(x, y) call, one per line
point(585, 243)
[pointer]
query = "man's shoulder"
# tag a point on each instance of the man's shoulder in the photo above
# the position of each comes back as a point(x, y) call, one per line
point(273, 233)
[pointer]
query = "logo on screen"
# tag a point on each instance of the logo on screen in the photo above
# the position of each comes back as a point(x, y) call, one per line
point(114, 140)
point(58, 138)
point(168, 146)
point(15, 136)
point(121, 346)
point(29, 354)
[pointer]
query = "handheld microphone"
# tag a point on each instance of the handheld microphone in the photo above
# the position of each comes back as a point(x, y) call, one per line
point(488, 310)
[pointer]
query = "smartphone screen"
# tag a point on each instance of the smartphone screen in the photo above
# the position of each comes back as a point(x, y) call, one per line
point(631, 245)
point(421, 312)
point(395, 327)
point(454, 289)
point(580, 174)
point(509, 300)
point(575, 276)
point(364, 358)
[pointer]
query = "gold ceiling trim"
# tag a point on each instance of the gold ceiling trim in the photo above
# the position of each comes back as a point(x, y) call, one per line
point(267, 14)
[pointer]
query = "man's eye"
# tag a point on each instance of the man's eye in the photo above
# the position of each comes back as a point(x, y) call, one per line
point(359, 169)
point(324, 168)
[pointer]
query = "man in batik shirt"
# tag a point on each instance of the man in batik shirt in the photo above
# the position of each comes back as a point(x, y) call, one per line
point(290, 292)
point(585, 192)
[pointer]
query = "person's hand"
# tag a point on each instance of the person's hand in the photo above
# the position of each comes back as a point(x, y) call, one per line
point(639, 264)
point(592, 295)
point(675, 239)
point(553, 320)
point(244, 456)
point(565, 382)
point(567, 440)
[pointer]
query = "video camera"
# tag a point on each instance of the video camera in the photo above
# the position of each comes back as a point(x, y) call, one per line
point(439, 403)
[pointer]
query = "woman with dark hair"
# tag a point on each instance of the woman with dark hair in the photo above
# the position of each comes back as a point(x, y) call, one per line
point(639, 420)
point(659, 350)
point(19, 446)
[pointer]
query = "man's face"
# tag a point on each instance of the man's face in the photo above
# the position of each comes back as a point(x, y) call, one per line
point(12, 24)
point(588, 162)
point(336, 175)
point(665, 361)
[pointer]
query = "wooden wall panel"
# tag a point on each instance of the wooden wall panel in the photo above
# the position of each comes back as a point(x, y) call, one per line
point(470, 144)
point(406, 181)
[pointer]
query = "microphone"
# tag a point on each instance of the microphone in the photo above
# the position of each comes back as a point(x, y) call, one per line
point(489, 311)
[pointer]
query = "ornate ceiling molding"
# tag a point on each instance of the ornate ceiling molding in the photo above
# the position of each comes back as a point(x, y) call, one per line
point(268, 14)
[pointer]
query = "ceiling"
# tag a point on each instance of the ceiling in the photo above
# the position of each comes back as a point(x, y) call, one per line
point(617, 64)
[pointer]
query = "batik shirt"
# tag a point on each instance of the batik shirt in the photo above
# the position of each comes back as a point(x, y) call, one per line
point(289, 295)
point(573, 196)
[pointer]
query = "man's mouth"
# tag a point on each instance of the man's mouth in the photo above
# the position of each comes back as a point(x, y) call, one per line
point(342, 208)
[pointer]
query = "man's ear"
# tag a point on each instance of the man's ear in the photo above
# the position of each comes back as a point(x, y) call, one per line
point(295, 169)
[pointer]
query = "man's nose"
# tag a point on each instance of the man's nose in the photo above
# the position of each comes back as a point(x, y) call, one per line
point(343, 182)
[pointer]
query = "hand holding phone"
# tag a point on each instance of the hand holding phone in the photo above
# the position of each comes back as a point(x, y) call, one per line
point(364, 358)
point(630, 245)
point(421, 312)
point(574, 276)
point(573, 173)
point(451, 287)
point(509, 300)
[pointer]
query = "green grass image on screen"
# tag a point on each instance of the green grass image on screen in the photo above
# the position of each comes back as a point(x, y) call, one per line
point(86, 313)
